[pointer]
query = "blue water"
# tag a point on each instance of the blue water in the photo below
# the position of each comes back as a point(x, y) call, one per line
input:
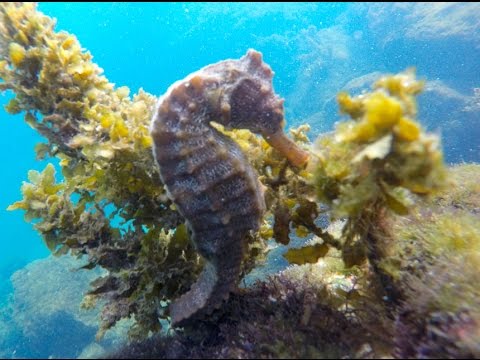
point(314, 49)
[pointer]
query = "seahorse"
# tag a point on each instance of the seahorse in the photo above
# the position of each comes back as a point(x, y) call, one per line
point(206, 174)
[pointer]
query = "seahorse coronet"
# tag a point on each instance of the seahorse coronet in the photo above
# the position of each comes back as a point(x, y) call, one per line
point(206, 174)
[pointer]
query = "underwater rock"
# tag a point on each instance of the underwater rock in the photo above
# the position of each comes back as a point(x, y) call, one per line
point(45, 309)
point(44, 315)
point(92, 351)
point(207, 175)
point(47, 286)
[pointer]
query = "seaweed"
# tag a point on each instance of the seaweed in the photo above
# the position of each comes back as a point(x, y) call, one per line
point(373, 167)
point(110, 204)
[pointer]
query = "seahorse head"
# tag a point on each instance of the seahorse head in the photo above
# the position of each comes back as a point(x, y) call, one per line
point(247, 100)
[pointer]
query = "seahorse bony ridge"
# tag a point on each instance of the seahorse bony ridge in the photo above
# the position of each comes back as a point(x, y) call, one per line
point(207, 175)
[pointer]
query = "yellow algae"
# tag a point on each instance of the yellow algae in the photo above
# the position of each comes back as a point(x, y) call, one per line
point(81, 140)
point(146, 141)
point(21, 37)
point(407, 129)
point(266, 232)
point(81, 72)
point(138, 110)
point(17, 53)
point(382, 111)
point(347, 105)
point(377, 150)
point(290, 203)
point(118, 129)
point(107, 120)
point(302, 231)
point(376, 166)
point(307, 254)
point(68, 42)
point(123, 92)
point(364, 131)
point(105, 153)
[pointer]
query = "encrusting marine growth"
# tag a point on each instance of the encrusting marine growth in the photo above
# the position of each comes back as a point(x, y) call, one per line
point(206, 174)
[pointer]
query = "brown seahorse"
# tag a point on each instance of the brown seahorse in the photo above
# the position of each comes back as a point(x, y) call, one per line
point(206, 174)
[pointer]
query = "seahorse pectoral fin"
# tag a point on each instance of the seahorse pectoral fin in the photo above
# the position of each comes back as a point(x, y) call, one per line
point(287, 148)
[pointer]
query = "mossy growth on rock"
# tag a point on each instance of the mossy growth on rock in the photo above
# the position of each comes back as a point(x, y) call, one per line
point(439, 244)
